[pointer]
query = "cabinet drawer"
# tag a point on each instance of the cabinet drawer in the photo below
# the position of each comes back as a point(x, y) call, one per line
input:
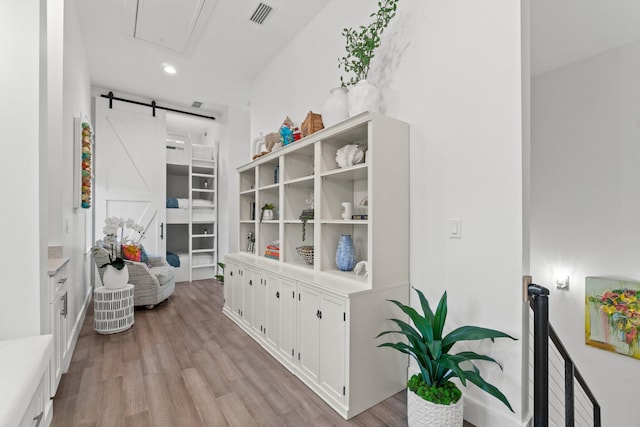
point(35, 416)
point(57, 281)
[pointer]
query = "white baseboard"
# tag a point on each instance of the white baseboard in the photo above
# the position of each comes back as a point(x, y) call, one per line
point(480, 415)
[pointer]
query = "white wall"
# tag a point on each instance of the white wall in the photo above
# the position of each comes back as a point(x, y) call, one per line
point(453, 71)
point(55, 36)
point(585, 204)
point(23, 110)
point(75, 225)
point(234, 151)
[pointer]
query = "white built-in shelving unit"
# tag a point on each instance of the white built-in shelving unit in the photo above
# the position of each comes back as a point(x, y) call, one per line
point(319, 321)
point(192, 233)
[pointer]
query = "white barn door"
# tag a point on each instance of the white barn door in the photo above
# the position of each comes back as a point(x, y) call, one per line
point(130, 169)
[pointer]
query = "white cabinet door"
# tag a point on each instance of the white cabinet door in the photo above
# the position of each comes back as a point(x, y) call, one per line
point(247, 295)
point(60, 333)
point(237, 289)
point(259, 321)
point(57, 345)
point(333, 336)
point(308, 332)
point(287, 321)
point(230, 271)
point(273, 298)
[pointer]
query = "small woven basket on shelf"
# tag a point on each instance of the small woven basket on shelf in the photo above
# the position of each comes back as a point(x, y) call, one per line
point(312, 123)
point(306, 252)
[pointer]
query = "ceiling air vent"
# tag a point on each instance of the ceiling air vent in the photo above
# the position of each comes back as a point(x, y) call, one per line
point(196, 104)
point(261, 13)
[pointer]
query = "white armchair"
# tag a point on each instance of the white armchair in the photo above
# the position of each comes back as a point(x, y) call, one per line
point(152, 284)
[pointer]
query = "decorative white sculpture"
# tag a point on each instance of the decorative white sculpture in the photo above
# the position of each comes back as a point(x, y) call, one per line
point(362, 267)
point(349, 155)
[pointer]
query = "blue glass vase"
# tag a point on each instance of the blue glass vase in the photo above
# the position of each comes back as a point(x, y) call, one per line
point(345, 255)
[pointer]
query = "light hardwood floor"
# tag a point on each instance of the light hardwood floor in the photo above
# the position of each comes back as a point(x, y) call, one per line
point(185, 364)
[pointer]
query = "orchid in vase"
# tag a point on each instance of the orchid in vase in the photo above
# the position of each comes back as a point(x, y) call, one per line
point(128, 231)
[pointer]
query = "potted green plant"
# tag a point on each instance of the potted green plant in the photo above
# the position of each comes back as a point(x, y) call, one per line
point(267, 212)
point(432, 387)
point(220, 276)
point(360, 46)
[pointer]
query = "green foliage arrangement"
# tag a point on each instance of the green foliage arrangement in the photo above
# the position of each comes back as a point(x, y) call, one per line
point(361, 43)
point(305, 216)
point(220, 277)
point(447, 394)
point(430, 349)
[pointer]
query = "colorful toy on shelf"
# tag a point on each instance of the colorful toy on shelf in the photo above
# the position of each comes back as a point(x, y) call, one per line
point(286, 132)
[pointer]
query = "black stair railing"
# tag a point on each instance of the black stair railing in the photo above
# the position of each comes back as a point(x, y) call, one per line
point(542, 331)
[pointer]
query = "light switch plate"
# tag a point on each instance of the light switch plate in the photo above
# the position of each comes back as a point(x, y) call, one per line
point(455, 228)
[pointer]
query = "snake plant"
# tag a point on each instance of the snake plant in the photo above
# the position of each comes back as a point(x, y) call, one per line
point(431, 350)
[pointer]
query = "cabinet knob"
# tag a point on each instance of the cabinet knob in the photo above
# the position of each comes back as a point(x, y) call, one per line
point(277, 294)
point(231, 273)
point(250, 282)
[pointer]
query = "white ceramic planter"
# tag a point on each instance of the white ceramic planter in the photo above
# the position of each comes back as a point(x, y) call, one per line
point(336, 107)
point(113, 278)
point(422, 413)
point(268, 215)
point(363, 97)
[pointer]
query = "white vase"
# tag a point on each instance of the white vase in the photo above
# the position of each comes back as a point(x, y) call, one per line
point(268, 215)
point(422, 413)
point(363, 97)
point(113, 278)
point(336, 108)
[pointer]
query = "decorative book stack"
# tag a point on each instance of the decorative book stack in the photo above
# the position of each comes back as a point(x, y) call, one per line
point(273, 250)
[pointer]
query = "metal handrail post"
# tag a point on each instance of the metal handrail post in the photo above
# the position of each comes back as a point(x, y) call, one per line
point(540, 304)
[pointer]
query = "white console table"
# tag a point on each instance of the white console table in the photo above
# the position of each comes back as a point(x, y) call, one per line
point(113, 309)
point(24, 379)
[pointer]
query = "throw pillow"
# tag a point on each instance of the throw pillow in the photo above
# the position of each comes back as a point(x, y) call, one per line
point(131, 252)
point(144, 257)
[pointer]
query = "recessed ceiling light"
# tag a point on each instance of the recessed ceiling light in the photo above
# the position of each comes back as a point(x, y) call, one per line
point(169, 69)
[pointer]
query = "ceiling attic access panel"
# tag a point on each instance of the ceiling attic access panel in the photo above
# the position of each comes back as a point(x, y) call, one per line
point(174, 25)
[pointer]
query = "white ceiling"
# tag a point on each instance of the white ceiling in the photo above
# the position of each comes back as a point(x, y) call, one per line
point(565, 31)
point(218, 65)
point(225, 51)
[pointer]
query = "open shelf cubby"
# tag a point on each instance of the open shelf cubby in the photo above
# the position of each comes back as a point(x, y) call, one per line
point(306, 173)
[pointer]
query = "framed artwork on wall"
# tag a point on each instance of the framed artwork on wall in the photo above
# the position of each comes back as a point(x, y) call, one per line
point(612, 315)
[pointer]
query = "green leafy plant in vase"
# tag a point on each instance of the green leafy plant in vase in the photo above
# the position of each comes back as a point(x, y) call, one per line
point(438, 365)
point(220, 277)
point(305, 216)
point(363, 41)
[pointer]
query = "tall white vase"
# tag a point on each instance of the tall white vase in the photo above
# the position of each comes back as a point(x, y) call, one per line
point(363, 97)
point(336, 107)
point(112, 278)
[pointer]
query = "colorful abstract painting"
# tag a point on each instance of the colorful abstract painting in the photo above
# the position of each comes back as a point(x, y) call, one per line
point(612, 315)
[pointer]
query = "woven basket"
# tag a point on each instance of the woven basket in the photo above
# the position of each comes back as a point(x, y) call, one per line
point(312, 123)
point(307, 253)
point(422, 413)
